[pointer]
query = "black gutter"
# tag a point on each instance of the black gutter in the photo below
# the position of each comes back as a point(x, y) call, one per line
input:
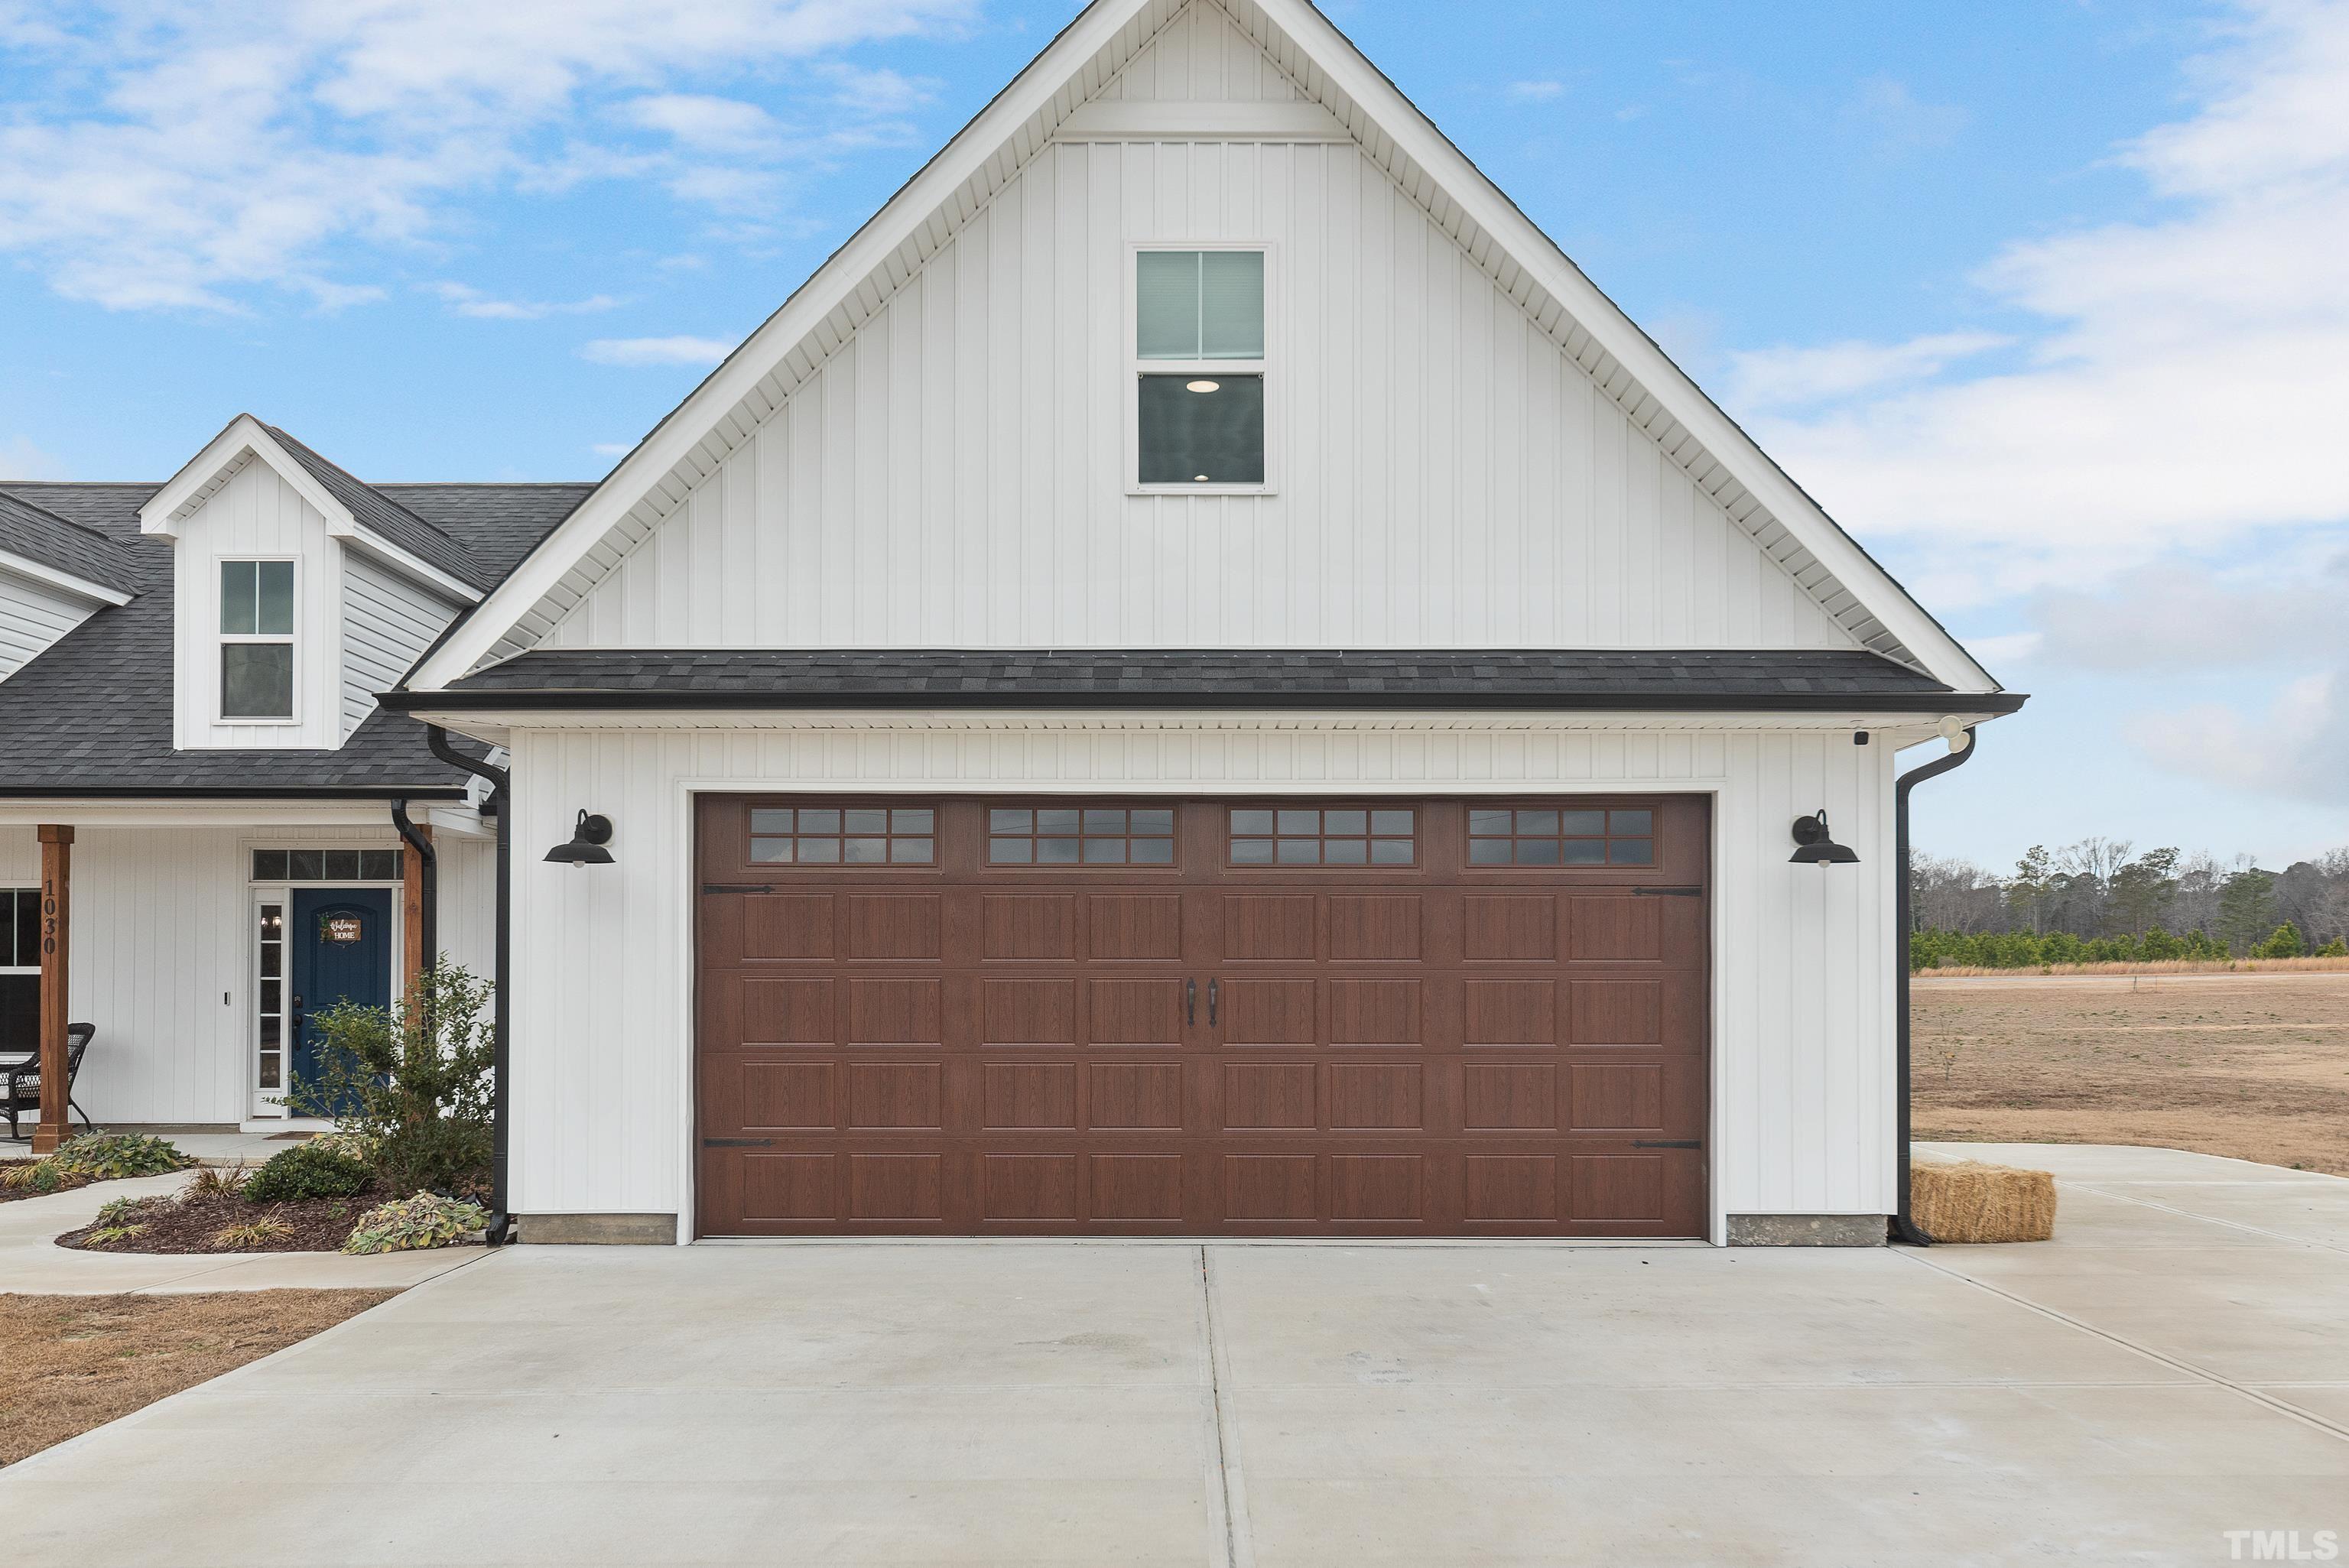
point(427, 879)
point(501, 801)
point(1904, 1223)
point(1923, 703)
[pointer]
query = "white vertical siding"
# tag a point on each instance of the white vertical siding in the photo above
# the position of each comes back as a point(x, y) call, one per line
point(1803, 1029)
point(33, 616)
point(257, 513)
point(1200, 57)
point(468, 903)
point(388, 621)
point(954, 473)
point(163, 955)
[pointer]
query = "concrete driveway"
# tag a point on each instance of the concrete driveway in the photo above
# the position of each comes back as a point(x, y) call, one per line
point(2173, 1368)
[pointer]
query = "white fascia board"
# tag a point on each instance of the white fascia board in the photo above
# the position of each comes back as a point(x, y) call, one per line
point(425, 574)
point(1353, 74)
point(688, 424)
point(61, 581)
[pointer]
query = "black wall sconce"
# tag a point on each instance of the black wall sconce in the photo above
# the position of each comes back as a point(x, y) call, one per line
point(1816, 846)
point(586, 845)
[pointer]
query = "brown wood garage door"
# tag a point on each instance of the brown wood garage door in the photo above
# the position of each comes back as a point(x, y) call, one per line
point(1041, 1016)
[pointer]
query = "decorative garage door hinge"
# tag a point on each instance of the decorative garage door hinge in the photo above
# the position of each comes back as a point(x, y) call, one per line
point(1668, 1143)
point(738, 1143)
point(1668, 892)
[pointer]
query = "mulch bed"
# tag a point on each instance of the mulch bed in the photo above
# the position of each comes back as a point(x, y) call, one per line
point(66, 1183)
point(191, 1223)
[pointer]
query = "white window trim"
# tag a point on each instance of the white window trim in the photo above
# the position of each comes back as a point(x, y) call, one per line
point(220, 639)
point(10, 889)
point(1137, 367)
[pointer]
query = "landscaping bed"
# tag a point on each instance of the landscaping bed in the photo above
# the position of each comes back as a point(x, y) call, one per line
point(65, 1182)
point(223, 1221)
point(78, 1361)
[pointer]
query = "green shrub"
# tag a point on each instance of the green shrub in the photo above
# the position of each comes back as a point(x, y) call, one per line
point(121, 1210)
point(112, 1156)
point(40, 1176)
point(411, 1224)
point(2284, 942)
point(436, 1156)
point(2336, 948)
point(306, 1171)
point(414, 1086)
point(107, 1235)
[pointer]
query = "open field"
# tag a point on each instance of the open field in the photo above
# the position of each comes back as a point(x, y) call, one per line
point(2171, 966)
point(76, 1361)
point(2251, 1065)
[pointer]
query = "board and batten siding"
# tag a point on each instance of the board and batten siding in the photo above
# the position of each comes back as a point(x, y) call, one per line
point(163, 953)
point(954, 474)
point(388, 621)
point(256, 514)
point(1803, 1029)
point(33, 616)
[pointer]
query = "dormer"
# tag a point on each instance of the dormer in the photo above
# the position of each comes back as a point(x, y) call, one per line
point(54, 575)
point(300, 593)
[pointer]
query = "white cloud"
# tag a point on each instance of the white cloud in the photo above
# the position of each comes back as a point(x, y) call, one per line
point(1536, 92)
point(706, 123)
point(1798, 377)
point(657, 350)
point(1899, 121)
point(20, 459)
point(174, 153)
point(471, 302)
point(2185, 383)
point(2295, 745)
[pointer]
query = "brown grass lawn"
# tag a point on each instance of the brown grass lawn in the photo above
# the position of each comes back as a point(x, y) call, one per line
point(2254, 1067)
point(75, 1362)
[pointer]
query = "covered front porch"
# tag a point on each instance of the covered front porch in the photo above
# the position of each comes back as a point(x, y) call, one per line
point(198, 936)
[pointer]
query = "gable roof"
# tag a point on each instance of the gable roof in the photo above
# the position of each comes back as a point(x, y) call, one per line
point(79, 559)
point(354, 510)
point(999, 143)
point(88, 715)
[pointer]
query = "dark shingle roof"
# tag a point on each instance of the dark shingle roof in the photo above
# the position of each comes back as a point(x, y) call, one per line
point(92, 714)
point(1520, 678)
point(63, 546)
point(381, 515)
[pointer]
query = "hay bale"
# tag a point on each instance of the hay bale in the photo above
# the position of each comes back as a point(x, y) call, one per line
point(1971, 1202)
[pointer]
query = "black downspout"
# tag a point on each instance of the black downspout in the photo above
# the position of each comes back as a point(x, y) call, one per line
point(427, 882)
point(500, 802)
point(1904, 1223)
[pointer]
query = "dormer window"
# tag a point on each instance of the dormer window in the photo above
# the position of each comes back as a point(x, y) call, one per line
point(1199, 370)
point(256, 624)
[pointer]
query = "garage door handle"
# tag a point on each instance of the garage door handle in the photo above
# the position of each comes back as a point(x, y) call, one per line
point(1190, 1002)
point(738, 1143)
point(1668, 892)
point(739, 887)
point(1215, 994)
point(1668, 1143)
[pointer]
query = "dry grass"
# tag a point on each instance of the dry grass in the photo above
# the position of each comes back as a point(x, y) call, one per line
point(2179, 966)
point(1971, 1202)
point(75, 1362)
point(2252, 1067)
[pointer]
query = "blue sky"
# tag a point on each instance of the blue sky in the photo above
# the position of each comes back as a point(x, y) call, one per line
point(2042, 300)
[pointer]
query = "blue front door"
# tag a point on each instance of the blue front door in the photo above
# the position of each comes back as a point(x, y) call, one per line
point(341, 952)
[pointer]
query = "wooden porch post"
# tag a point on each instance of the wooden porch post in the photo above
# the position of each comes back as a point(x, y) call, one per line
point(56, 952)
point(411, 904)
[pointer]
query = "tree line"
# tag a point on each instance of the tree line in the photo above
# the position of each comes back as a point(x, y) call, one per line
point(2097, 901)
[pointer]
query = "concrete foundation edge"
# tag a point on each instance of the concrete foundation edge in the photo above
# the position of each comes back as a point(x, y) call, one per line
point(598, 1230)
point(1807, 1230)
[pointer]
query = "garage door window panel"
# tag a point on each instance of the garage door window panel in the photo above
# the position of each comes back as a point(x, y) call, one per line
point(1549, 836)
point(1068, 838)
point(869, 836)
point(1291, 836)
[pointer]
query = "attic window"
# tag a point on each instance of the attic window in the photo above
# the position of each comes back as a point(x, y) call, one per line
point(1199, 369)
point(256, 626)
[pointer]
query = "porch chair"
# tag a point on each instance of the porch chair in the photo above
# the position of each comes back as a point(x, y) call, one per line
point(22, 1079)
